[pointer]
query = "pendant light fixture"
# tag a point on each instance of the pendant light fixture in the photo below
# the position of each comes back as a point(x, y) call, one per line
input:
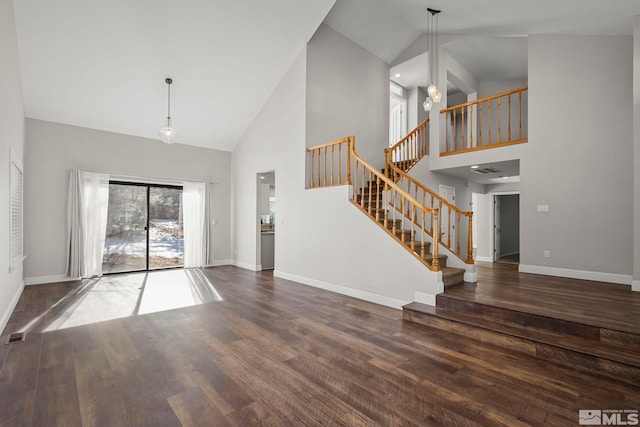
point(168, 134)
point(434, 95)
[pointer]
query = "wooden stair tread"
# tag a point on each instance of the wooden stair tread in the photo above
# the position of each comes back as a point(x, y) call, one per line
point(603, 350)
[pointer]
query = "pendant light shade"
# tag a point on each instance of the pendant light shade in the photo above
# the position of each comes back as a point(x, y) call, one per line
point(427, 104)
point(168, 134)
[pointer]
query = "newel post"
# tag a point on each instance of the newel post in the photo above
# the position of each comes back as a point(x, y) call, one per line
point(350, 142)
point(435, 263)
point(470, 240)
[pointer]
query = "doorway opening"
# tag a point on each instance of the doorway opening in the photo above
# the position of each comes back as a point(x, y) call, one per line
point(266, 182)
point(506, 218)
point(144, 228)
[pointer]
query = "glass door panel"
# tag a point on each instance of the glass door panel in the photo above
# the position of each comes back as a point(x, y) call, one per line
point(126, 236)
point(166, 233)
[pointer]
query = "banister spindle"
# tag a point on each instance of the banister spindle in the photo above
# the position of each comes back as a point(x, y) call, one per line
point(458, 233)
point(489, 120)
point(471, 125)
point(370, 193)
point(319, 152)
point(340, 164)
point(520, 125)
point(480, 124)
point(423, 235)
point(455, 131)
point(332, 151)
point(462, 128)
point(325, 167)
point(509, 98)
point(499, 114)
point(312, 159)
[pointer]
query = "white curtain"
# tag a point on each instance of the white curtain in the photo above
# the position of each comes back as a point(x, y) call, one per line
point(195, 224)
point(87, 206)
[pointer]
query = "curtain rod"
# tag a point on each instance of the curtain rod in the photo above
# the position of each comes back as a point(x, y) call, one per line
point(148, 179)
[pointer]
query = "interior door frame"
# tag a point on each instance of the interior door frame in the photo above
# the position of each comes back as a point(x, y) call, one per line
point(147, 224)
point(492, 243)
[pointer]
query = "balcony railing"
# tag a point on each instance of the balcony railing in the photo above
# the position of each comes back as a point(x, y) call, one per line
point(490, 122)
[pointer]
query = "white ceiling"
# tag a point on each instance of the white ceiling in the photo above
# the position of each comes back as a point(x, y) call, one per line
point(387, 27)
point(103, 64)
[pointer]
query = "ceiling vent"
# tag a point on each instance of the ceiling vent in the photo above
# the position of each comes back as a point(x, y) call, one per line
point(486, 170)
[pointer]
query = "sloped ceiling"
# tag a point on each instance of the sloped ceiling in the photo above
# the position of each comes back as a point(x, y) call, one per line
point(103, 64)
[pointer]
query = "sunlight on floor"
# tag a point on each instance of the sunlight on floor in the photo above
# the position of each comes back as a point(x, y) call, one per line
point(125, 295)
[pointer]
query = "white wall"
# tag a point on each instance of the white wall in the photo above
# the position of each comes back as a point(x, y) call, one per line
point(53, 148)
point(321, 239)
point(347, 94)
point(636, 152)
point(579, 157)
point(11, 138)
point(415, 111)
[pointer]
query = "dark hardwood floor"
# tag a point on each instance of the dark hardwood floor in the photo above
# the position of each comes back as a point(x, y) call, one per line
point(274, 353)
point(593, 303)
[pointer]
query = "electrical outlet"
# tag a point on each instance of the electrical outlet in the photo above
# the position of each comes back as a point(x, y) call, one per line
point(547, 254)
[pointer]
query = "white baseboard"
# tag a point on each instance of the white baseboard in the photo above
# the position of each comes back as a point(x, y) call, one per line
point(635, 285)
point(220, 262)
point(246, 265)
point(12, 305)
point(423, 298)
point(41, 280)
point(484, 259)
point(343, 290)
point(597, 276)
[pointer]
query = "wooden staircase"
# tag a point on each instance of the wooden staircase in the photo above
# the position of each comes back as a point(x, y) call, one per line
point(583, 346)
point(371, 195)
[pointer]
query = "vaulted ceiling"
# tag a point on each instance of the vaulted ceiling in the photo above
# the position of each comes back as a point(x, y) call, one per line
point(103, 64)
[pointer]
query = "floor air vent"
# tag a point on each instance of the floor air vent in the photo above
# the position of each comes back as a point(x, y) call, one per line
point(16, 337)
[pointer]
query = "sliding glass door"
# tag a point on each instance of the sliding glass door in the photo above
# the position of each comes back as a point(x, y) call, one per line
point(144, 228)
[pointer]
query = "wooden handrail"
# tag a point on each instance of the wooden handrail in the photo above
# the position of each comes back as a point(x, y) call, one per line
point(329, 144)
point(379, 197)
point(397, 172)
point(385, 179)
point(400, 197)
point(464, 134)
point(485, 99)
point(330, 174)
point(410, 149)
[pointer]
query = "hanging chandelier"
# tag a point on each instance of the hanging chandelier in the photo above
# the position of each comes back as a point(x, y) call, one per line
point(434, 96)
point(168, 134)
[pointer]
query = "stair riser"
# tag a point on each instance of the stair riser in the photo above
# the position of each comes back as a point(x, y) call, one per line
point(525, 319)
point(452, 280)
point(584, 362)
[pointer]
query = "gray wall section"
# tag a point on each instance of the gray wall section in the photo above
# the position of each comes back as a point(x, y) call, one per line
point(509, 224)
point(579, 157)
point(347, 94)
point(636, 151)
point(54, 148)
point(11, 139)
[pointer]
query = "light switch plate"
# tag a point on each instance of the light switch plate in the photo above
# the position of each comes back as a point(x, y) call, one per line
point(543, 208)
